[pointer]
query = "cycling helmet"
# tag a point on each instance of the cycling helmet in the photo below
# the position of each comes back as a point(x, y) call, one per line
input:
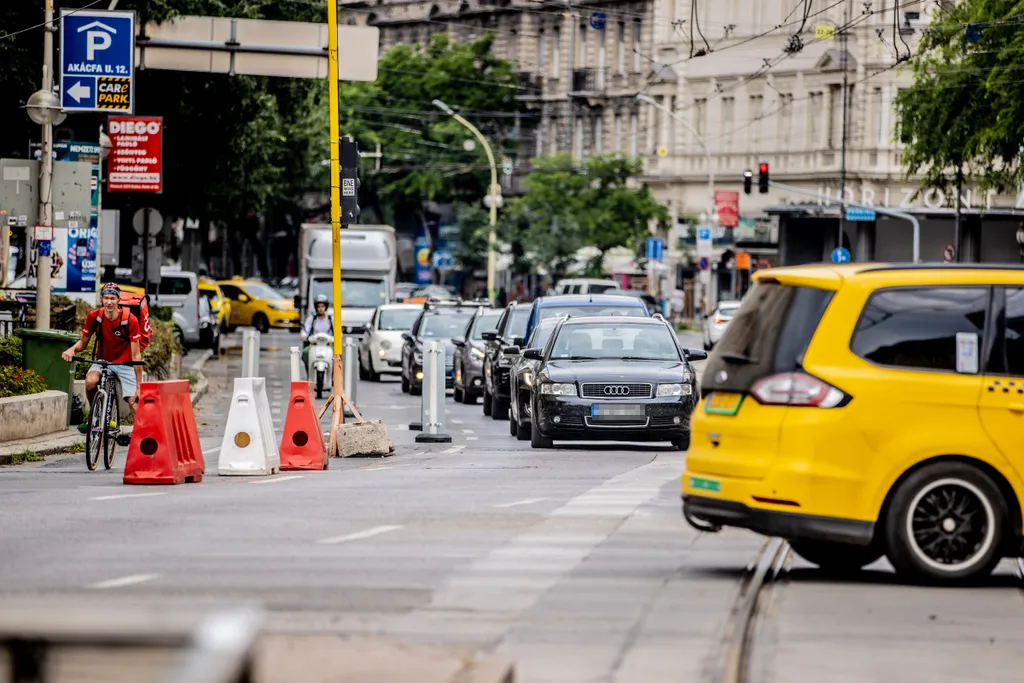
point(320, 299)
point(111, 288)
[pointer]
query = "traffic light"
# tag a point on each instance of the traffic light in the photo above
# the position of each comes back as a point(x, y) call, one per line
point(748, 180)
point(762, 178)
point(349, 181)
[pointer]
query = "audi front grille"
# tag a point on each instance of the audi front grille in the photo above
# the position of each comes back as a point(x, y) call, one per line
point(612, 390)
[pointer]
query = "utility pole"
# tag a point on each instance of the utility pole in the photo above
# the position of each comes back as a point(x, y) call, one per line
point(843, 43)
point(45, 182)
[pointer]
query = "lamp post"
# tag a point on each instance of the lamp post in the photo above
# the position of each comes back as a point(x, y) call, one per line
point(493, 195)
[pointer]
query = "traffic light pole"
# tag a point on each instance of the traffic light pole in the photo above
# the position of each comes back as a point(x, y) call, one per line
point(844, 204)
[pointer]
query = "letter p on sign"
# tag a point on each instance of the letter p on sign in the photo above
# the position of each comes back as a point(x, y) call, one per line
point(95, 41)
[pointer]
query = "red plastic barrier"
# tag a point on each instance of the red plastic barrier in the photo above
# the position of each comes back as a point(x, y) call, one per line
point(165, 442)
point(302, 444)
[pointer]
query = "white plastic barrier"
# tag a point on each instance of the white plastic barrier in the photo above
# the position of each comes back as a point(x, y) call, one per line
point(249, 446)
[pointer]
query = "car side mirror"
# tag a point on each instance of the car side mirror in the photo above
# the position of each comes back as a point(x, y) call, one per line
point(243, 298)
point(511, 351)
point(459, 341)
point(297, 302)
point(533, 354)
point(696, 354)
point(407, 337)
point(490, 335)
point(518, 341)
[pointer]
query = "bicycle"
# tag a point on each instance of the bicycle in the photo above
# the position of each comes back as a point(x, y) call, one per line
point(104, 427)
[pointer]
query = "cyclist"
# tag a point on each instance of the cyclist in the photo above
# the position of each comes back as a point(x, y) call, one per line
point(317, 323)
point(118, 342)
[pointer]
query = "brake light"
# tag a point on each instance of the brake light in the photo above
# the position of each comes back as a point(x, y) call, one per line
point(719, 320)
point(798, 389)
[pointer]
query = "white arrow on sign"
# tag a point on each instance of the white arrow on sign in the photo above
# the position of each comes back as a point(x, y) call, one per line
point(79, 92)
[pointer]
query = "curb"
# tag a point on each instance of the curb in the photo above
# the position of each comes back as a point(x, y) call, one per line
point(491, 670)
point(202, 385)
point(57, 446)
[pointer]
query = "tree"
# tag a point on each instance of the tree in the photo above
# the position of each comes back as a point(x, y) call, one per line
point(964, 115)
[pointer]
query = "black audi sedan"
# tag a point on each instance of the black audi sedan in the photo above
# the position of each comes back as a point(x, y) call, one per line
point(615, 379)
point(511, 331)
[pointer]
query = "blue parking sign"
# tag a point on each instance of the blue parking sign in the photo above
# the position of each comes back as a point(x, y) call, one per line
point(97, 60)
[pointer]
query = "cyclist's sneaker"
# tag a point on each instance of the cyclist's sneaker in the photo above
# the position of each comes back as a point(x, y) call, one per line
point(83, 428)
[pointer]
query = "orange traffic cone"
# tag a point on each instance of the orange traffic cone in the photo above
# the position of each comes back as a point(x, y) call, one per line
point(302, 444)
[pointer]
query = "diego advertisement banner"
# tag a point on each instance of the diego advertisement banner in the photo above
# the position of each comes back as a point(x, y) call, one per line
point(73, 252)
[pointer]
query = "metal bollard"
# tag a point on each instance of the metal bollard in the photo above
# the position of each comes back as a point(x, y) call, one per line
point(296, 363)
point(433, 395)
point(250, 353)
point(350, 368)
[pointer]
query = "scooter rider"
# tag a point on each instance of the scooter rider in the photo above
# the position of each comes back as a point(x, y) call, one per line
point(320, 323)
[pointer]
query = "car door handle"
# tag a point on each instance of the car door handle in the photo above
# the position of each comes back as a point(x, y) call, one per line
point(1016, 407)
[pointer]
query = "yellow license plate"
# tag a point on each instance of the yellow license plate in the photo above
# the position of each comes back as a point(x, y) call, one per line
point(723, 403)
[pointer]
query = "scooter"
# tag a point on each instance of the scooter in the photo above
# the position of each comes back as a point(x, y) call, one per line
point(321, 363)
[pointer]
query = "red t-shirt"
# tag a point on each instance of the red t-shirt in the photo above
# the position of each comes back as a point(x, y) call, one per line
point(115, 340)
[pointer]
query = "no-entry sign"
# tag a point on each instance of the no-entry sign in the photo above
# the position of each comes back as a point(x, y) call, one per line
point(135, 163)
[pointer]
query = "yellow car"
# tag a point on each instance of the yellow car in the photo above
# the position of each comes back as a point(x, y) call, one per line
point(866, 410)
point(256, 304)
point(219, 304)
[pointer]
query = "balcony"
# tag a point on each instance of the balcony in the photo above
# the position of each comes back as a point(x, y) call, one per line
point(588, 82)
point(531, 85)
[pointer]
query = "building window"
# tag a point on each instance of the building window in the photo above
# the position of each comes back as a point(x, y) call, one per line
point(728, 119)
point(637, 36)
point(556, 52)
point(542, 52)
point(700, 116)
point(756, 112)
point(581, 47)
point(879, 111)
point(621, 48)
point(921, 327)
point(599, 134)
point(785, 119)
point(618, 132)
point(814, 119)
point(577, 141)
point(634, 133)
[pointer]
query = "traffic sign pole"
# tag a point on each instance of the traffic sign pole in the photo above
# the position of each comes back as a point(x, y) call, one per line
point(45, 185)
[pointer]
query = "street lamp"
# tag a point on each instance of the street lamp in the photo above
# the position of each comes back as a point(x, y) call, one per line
point(494, 197)
point(43, 107)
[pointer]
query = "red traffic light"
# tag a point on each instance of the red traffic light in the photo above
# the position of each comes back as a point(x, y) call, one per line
point(763, 168)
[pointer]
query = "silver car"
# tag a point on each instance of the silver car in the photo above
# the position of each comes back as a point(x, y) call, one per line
point(380, 349)
point(716, 323)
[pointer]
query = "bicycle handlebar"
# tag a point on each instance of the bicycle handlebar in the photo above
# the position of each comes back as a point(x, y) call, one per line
point(105, 363)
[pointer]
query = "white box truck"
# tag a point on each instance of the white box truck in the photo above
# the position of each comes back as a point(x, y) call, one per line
point(369, 271)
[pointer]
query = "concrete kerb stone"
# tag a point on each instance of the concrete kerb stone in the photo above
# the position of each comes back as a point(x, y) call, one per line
point(202, 385)
point(40, 445)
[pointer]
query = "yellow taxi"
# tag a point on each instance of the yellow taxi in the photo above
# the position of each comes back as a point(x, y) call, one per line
point(219, 304)
point(259, 305)
point(866, 410)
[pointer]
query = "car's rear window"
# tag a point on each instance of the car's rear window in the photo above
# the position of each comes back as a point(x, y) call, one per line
point(769, 334)
point(630, 309)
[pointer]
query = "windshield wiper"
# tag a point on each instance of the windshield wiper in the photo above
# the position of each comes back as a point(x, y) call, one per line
point(737, 358)
point(643, 358)
point(579, 358)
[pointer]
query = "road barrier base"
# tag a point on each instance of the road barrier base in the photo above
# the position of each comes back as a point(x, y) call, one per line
point(249, 447)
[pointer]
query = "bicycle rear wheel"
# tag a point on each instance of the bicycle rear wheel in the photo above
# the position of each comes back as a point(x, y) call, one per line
point(94, 435)
point(112, 425)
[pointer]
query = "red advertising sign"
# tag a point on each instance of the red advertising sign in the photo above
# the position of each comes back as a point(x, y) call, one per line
point(135, 163)
point(728, 206)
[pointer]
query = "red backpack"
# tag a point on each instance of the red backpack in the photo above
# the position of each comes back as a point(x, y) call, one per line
point(137, 305)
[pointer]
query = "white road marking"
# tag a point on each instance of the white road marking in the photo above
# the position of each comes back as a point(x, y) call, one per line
point(528, 501)
point(472, 438)
point(277, 479)
point(453, 449)
point(123, 581)
point(457, 422)
point(215, 449)
point(376, 467)
point(130, 495)
point(468, 431)
point(359, 535)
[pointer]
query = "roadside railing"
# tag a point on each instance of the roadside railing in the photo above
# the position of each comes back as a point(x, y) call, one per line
point(17, 314)
point(38, 646)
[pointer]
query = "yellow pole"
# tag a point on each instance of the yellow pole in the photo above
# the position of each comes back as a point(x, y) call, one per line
point(332, 77)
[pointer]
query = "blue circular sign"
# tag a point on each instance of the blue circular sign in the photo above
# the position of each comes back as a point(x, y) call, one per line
point(841, 255)
point(704, 263)
point(598, 21)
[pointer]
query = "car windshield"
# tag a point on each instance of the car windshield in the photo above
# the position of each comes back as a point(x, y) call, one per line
point(262, 292)
point(487, 322)
point(541, 335)
point(728, 310)
point(516, 326)
point(632, 310)
point(444, 325)
point(623, 342)
point(398, 319)
point(354, 293)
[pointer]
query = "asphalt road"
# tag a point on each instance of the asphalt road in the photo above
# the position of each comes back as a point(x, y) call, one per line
point(574, 561)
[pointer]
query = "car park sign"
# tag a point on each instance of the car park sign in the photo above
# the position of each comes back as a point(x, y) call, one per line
point(97, 60)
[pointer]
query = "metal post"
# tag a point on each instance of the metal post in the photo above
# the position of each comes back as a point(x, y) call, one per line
point(296, 363)
point(145, 250)
point(350, 358)
point(45, 181)
point(844, 51)
point(250, 353)
point(433, 395)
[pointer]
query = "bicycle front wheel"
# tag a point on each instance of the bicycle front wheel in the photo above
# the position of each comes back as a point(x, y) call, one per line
point(112, 424)
point(94, 436)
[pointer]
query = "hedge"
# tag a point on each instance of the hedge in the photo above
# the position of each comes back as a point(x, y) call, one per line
point(17, 382)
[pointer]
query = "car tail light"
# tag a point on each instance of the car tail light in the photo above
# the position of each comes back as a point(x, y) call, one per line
point(719, 320)
point(798, 389)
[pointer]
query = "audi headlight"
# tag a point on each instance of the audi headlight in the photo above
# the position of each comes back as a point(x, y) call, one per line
point(528, 379)
point(476, 354)
point(558, 389)
point(385, 344)
point(674, 390)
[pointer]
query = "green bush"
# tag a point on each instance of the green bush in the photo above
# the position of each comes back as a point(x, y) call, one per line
point(162, 313)
point(11, 350)
point(161, 347)
point(17, 382)
point(82, 368)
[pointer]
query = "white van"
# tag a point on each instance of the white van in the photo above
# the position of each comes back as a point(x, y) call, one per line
point(179, 290)
point(585, 286)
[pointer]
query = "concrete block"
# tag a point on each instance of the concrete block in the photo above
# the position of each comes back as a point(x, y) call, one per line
point(363, 438)
point(24, 417)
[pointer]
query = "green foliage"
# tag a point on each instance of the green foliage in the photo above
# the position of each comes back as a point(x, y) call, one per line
point(11, 350)
point(424, 158)
point(964, 114)
point(82, 369)
point(26, 455)
point(15, 381)
point(473, 222)
point(161, 313)
point(569, 205)
point(157, 355)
